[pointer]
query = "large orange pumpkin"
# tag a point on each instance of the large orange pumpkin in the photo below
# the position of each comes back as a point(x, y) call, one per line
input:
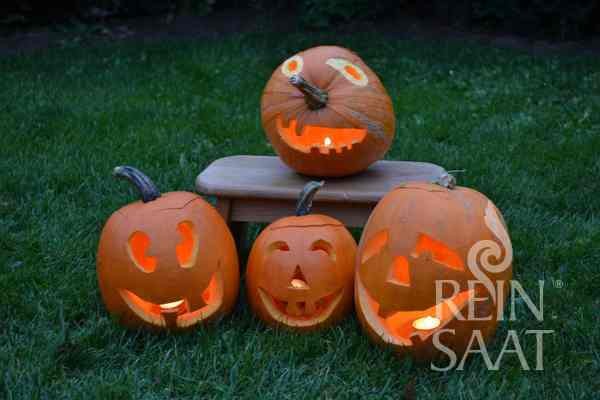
point(167, 261)
point(300, 269)
point(421, 233)
point(326, 113)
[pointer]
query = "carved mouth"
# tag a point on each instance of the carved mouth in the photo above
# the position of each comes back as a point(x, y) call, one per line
point(300, 313)
point(177, 314)
point(319, 138)
point(399, 328)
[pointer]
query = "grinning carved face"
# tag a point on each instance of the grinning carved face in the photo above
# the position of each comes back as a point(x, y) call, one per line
point(420, 234)
point(300, 272)
point(168, 263)
point(326, 113)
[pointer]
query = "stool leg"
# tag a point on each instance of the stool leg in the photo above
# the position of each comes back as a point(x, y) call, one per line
point(239, 230)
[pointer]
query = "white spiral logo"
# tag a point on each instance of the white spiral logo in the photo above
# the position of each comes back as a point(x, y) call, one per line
point(484, 250)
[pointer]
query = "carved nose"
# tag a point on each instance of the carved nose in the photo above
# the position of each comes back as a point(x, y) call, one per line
point(298, 280)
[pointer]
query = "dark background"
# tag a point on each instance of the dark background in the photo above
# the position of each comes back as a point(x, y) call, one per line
point(550, 19)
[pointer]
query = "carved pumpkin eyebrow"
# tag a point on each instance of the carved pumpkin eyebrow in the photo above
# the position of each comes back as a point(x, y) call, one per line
point(440, 252)
point(375, 245)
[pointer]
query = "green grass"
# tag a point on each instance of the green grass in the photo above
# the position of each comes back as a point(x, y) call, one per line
point(526, 129)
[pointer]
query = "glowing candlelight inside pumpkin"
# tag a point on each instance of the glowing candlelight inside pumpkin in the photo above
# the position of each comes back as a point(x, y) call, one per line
point(426, 323)
point(172, 305)
point(327, 141)
point(298, 284)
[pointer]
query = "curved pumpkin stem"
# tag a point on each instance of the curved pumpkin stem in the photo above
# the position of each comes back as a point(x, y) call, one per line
point(306, 197)
point(139, 180)
point(448, 180)
point(315, 97)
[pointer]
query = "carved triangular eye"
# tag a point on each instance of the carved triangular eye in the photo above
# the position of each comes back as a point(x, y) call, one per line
point(298, 280)
point(440, 252)
point(137, 245)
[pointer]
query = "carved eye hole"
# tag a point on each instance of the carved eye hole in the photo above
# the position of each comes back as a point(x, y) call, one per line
point(279, 245)
point(292, 66)
point(187, 249)
point(322, 245)
point(440, 252)
point(374, 245)
point(350, 71)
point(137, 245)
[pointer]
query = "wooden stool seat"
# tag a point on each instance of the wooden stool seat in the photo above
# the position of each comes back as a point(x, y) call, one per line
point(263, 189)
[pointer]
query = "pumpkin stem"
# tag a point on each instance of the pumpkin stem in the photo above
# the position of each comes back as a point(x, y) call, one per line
point(306, 197)
point(315, 97)
point(448, 180)
point(137, 178)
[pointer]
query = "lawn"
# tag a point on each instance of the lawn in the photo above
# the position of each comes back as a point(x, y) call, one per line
point(526, 130)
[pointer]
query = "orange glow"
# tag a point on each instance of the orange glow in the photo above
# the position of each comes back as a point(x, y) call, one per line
point(439, 251)
point(322, 245)
point(322, 138)
point(139, 243)
point(426, 323)
point(399, 271)
point(298, 284)
point(171, 305)
point(298, 280)
point(353, 72)
point(212, 290)
point(293, 65)
point(185, 249)
point(375, 245)
point(279, 245)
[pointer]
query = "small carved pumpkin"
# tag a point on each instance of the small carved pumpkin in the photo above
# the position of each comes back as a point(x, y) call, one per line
point(421, 233)
point(300, 269)
point(167, 261)
point(326, 113)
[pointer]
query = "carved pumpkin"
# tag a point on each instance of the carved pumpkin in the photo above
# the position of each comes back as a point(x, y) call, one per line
point(421, 233)
point(326, 113)
point(167, 261)
point(300, 269)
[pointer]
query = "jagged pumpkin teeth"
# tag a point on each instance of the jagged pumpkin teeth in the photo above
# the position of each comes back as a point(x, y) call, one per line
point(349, 71)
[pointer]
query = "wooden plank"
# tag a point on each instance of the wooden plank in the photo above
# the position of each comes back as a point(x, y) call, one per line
point(266, 177)
point(268, 210)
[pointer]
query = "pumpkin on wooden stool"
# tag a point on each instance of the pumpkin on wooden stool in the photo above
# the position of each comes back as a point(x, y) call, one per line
point(421, 233)
point(326, 113)
point(300, 269)
point(167, 261)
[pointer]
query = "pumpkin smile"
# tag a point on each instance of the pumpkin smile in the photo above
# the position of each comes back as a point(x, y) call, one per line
point(177, 313)
point(319, 138)
point(300, 313)
point(401, 328)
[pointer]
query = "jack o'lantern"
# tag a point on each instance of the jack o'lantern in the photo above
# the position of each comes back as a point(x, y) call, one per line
point(300, 269)
point(326, 113)
point(434, 263)
point(167, 261)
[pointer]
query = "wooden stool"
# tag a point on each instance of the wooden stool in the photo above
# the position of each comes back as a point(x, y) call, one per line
point(263, 189)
